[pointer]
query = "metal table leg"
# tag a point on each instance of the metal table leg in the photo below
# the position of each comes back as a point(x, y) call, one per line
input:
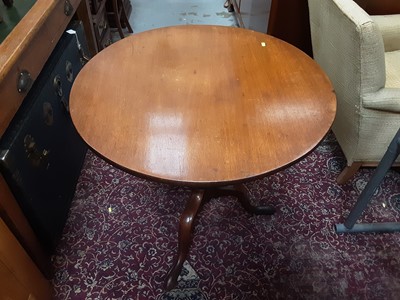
point(350, 224)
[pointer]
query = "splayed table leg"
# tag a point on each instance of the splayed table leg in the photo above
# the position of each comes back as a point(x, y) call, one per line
point(184, 236)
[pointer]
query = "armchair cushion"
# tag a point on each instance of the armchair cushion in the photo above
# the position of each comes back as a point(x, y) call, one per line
point(387, 99)
point(389, 26)
point(392, 62)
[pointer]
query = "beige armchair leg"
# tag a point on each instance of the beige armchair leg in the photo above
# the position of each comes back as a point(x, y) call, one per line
point(348, 172)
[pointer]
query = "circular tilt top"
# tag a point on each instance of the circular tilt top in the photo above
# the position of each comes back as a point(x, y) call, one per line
point(202, 105)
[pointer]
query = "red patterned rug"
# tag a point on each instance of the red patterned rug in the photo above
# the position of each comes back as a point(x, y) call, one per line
point(121, 237)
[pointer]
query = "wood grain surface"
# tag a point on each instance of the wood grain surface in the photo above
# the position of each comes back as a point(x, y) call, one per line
point(202, 105)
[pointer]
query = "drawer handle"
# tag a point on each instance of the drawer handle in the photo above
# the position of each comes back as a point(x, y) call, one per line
point(57, 85)
point(68, 9)
point(24, 81)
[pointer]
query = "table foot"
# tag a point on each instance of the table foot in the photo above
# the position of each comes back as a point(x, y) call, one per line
point(240, 192)
point(184, 236)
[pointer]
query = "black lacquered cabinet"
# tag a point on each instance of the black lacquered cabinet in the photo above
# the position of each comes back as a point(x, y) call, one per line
point(41, 154)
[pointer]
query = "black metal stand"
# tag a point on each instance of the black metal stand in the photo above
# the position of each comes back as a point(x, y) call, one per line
point(350, 225)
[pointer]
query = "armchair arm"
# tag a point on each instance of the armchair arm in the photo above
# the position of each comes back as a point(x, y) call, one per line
point(389, 26)
point(386, 99)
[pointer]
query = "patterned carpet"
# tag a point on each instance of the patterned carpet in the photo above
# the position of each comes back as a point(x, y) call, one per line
point(121, 237)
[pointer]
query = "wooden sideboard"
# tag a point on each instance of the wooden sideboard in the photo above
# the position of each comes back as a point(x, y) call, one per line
point(35, 36)
point(26, 49)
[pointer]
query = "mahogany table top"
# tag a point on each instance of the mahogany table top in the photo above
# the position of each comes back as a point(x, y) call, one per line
point(202, 105)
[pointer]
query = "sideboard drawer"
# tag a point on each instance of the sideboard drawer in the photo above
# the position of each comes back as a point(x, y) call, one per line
point(27, 48)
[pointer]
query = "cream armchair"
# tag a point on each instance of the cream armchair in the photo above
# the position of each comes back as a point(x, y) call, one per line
point(361, 55)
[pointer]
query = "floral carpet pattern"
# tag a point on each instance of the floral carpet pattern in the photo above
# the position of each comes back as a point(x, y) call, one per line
point(121, 238)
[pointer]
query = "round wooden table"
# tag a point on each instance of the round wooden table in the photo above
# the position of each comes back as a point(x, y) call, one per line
point(208, 107)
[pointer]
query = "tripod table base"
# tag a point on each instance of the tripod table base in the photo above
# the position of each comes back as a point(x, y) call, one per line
point(196, 200)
